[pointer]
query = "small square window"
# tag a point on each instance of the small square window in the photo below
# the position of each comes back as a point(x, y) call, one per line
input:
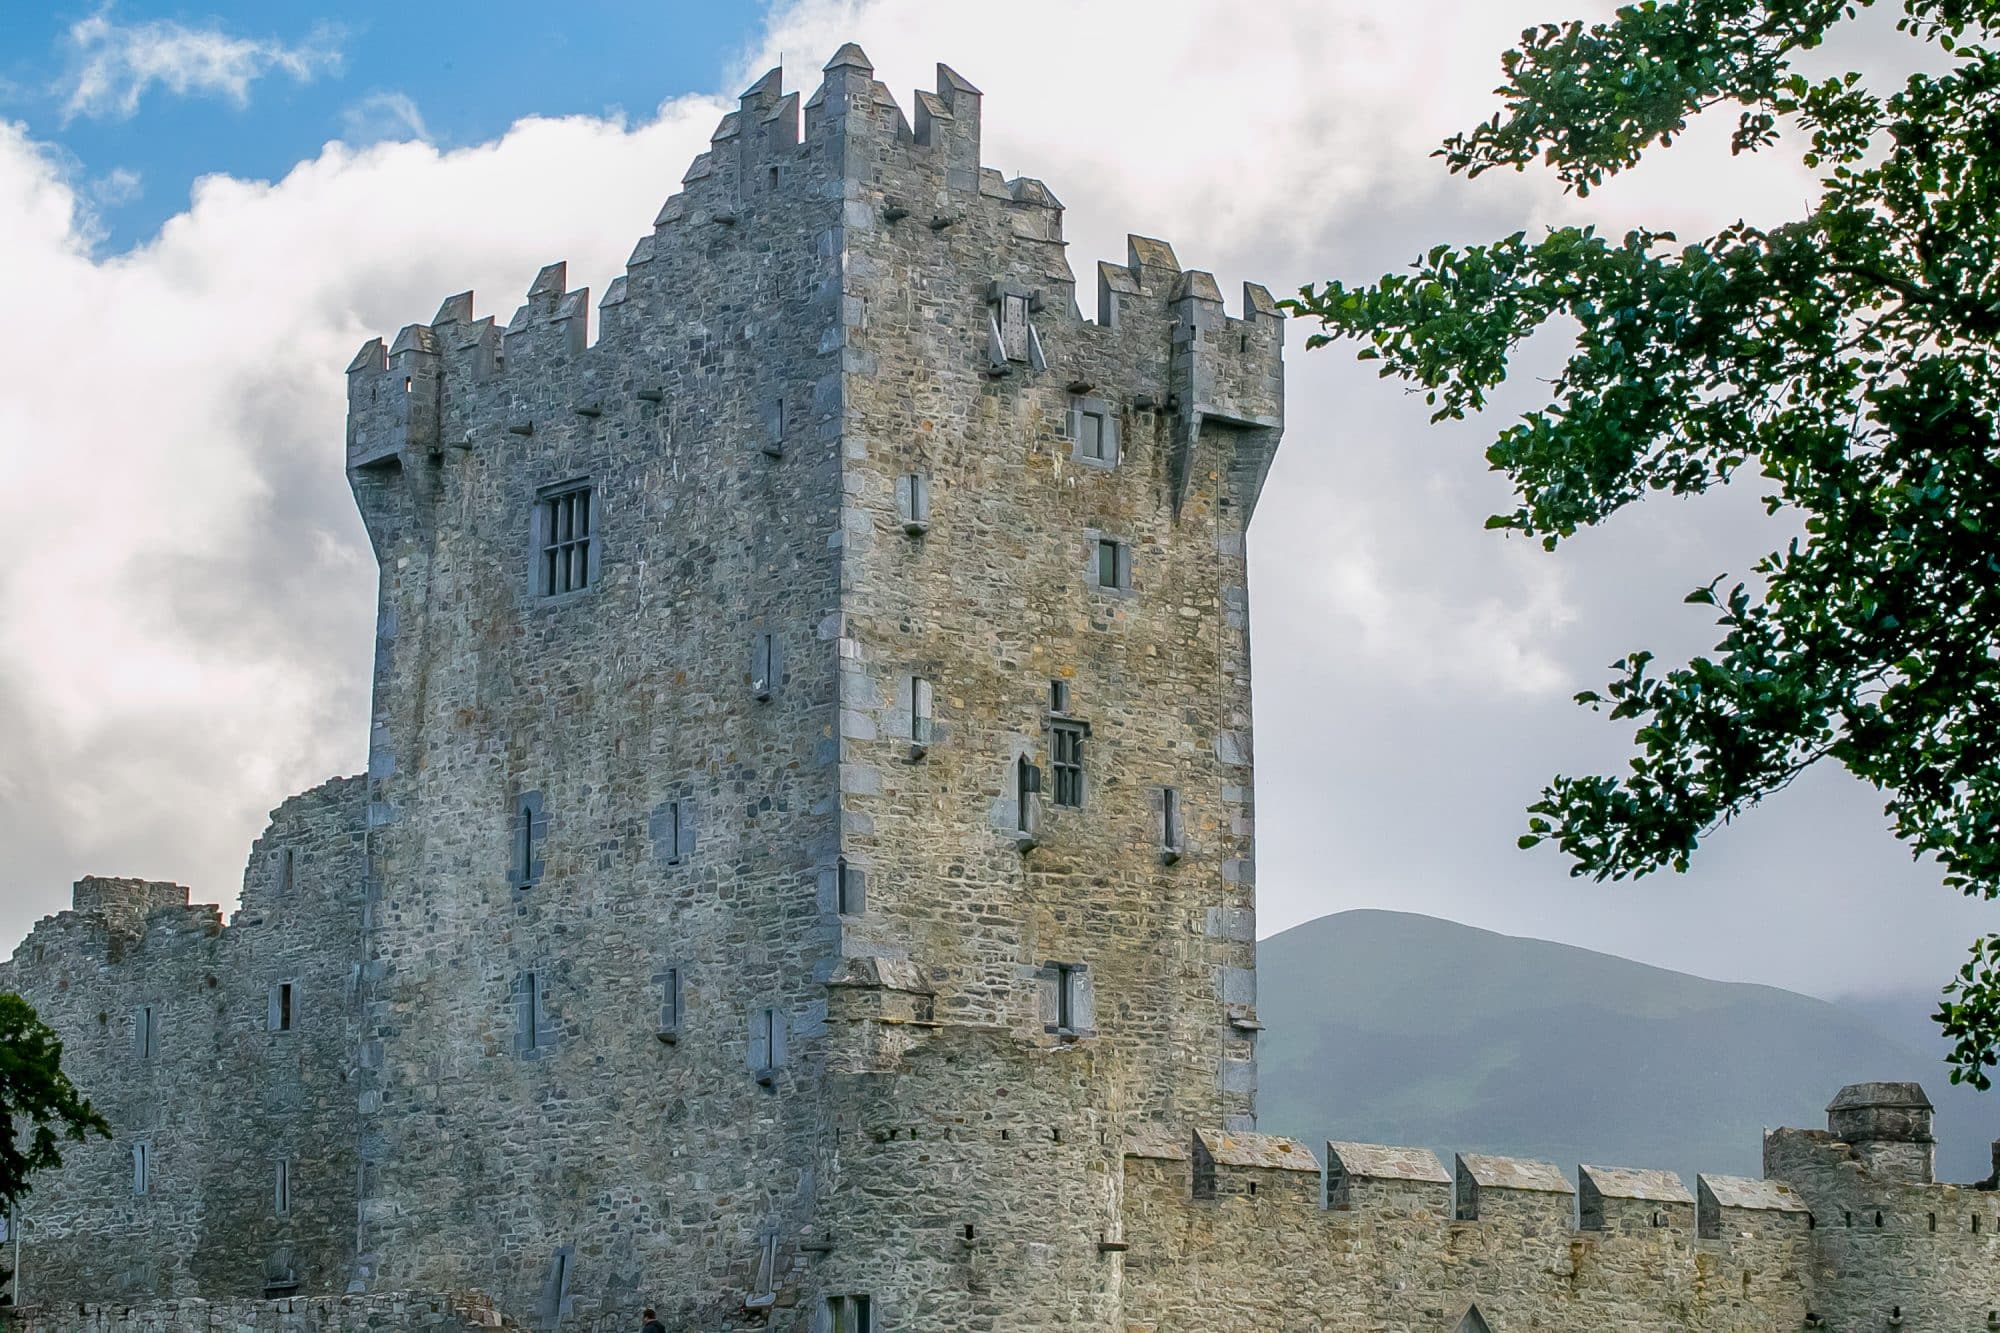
point(1066, 763)
point(565, 541)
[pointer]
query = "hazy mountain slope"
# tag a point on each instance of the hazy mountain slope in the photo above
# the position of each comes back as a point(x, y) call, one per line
point(1390, 1027)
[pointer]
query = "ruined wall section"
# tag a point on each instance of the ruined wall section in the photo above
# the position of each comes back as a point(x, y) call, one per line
point(283, 1075)
point(606, 1161)
point(1230, 1232)
point(1886, 1245)
point(167, 1024)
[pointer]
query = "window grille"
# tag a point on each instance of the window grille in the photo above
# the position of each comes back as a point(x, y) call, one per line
point(565, 538)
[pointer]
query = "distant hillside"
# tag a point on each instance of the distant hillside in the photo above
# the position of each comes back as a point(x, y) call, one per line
point(1394, 1028)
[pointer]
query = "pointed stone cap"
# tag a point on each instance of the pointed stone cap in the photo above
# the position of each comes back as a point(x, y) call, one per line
point(849, 56)
point(951, 81)
point(766, 88)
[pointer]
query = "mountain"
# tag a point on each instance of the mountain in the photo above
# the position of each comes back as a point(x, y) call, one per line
point(1388, 1027)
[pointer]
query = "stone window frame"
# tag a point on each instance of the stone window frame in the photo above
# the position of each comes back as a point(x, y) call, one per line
point(768, 1044)
point(850, 888)
point(672, 981)
point(545, 547)
point(672, 831)
point(1173, 819)
point(767, 665)
point(285, 878)
point(923, 713)
point(534, 1029)
point(281, 1186)
point(1105, 414)
point(1027, 780)
point(142, 1168)
point(527, 834)
point(146, 1032)
point(774, 419)
point(281, 1007)
point(913, 502)
point(1068, 775)
point(1068, 999)
point(1096, 543)
point(852, 1313)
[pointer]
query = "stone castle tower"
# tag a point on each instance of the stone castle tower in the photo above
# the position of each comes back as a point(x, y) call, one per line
point(804, 877)
point(809, 794)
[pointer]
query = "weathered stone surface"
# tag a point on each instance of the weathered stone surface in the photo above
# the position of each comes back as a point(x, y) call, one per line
point(805, 890)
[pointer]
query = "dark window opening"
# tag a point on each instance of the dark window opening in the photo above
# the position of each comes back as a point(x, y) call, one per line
point(565, 541)
point(1170, 821)
point(1066, 763)
point(1068, 979)
point(1058, 696)
point(281, 1189)
point(847, 888)
point(281, 1007)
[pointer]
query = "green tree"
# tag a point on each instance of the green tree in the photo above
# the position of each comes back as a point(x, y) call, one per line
point(39, 1107)
point(1845, 360)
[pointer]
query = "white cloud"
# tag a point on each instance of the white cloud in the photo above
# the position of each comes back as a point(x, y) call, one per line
point(186, 640)
point(120, 185)
point(116, 64)
point(383, 115)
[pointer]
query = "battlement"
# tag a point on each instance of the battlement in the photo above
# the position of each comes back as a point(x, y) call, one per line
point(673, 323)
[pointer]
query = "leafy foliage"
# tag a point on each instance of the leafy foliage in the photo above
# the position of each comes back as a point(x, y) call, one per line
point(39, 1107)
point(1847, 359)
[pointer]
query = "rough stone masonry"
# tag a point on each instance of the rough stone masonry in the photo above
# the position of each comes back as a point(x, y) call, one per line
point(804, 877)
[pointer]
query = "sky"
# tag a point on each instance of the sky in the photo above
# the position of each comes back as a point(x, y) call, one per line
point(204, 211)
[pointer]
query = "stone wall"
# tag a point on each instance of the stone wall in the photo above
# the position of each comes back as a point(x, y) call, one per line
point(1889, 1245)
point(324, 1314)
point(216, 1097)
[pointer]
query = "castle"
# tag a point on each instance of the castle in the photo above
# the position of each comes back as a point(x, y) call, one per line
point(804, 874)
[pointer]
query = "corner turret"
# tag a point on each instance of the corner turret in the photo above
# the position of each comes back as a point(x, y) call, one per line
point(1889, 1127)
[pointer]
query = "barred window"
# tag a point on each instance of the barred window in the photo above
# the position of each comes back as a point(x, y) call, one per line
point(1066, 763)
point(563, 533)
